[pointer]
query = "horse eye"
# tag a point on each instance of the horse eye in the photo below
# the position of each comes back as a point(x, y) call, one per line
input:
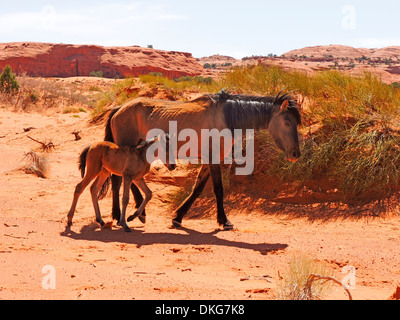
point(287, 124)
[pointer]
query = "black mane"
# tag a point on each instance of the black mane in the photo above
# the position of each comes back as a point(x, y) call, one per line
point(253, 112)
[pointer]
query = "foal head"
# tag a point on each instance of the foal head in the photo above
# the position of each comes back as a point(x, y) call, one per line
point(283, 127)
point(163, 147)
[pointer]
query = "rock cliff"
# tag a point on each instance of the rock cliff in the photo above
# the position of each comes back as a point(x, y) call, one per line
point(64, 60)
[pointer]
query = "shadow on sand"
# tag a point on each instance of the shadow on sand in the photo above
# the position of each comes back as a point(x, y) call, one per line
point(192, 237)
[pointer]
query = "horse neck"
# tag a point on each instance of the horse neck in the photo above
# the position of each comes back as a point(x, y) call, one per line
point(247, 114)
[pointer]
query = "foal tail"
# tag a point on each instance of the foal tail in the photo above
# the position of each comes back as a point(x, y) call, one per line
point(82, 161)
point(82, 168)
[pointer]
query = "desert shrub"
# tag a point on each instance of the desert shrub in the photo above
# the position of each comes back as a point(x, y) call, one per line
point(118, 94)
point(210, 66)
point(196, 79)
point(198, 83)
point(294, 282)
point(8, 82)
point(98, 74)
point(35, 164)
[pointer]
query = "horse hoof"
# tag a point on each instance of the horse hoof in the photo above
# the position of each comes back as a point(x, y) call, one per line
point(131, 218)
point(127, 229)
point(228, 226)
point(116, 215)
point(176, 224)
point(102, 223)
point(142, 219)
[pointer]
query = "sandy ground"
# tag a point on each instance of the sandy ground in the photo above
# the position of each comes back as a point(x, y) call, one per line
point(198, 261)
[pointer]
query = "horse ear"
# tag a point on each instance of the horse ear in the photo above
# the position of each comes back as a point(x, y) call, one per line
point(147, 143)
point(285, 105)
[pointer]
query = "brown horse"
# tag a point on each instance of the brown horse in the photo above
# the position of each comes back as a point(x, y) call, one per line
point(131, 122)
point(130, 162)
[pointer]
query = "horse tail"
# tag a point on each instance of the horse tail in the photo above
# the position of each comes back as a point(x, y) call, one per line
point(82, 161)
point(104, 189)
point(108, 137)
point(108, 134)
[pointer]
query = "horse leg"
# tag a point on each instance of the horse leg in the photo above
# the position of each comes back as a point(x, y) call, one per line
point(138, 200)
point(90, 175)
point(116, 182)
point(147, 196)
point(125, 202)
point(198, 188)
point(94, 190)
point(216, 177)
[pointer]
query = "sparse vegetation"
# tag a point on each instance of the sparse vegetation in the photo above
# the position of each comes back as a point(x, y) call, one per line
point(294, 284)
point(42, 95)
point(98, 74)
point(210, 66)
point(201, 84)
point(35, 164)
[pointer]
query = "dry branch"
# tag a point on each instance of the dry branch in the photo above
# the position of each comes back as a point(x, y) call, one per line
point(77, 136)
point(313, 277)
point(46, 147)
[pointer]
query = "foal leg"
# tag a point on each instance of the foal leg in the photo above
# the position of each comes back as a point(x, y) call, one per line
point(216, 177)
point(90, 175)
point(116, 182)
point(202, 178)
point(94, 190)
point(147, 196)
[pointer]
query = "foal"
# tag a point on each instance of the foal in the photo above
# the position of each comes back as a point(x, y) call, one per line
point(105, 158)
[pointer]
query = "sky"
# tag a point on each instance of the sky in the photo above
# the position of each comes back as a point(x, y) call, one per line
point(203, 27)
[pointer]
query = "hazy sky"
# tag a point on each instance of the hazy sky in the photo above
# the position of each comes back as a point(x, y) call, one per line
point(203, 27)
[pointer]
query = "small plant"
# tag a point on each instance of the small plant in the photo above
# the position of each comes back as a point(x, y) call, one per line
point(33, 97)
point(210, 66)
point(36, 165)
point(98, 74)
point(295, 283)
point(8, 83)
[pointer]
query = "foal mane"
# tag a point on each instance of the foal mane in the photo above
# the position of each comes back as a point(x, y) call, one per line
point(253, 112)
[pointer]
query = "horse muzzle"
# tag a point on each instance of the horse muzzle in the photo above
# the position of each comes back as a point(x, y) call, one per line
point(293, 156)
point(171, 167)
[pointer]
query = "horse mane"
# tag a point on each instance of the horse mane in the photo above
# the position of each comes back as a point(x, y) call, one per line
point(253, 112)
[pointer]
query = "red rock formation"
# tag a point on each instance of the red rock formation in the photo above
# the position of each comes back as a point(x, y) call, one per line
point(63, 60)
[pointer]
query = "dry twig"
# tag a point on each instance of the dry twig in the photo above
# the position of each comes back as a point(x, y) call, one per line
point(77, 136)
point(46, 147)
point(313, 277)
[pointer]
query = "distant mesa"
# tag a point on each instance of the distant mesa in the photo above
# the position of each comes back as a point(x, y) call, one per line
point(384, 62)
point(65, 60)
